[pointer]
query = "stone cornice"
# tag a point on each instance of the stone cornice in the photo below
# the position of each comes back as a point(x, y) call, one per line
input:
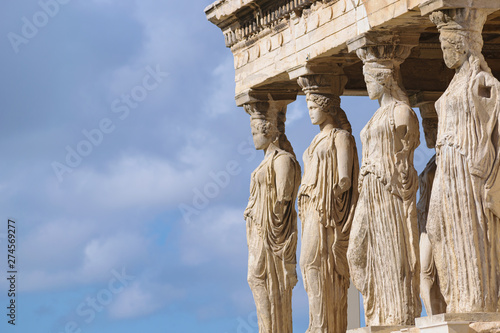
point(286, 96)
point(429, 6)
point(242, 19)
point(275, 41)
point(383, 38)
point(223, 12)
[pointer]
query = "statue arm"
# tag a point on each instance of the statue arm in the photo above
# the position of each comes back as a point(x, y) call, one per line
point(284, 169)
point(407, 131)
point(493, 181)
point(344, 149)
point(407, 134)
point(406, 124)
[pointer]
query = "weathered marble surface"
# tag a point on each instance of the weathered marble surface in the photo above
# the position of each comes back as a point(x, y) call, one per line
point(380, 329)
point(272, 220)
point(268, 38)
point(457, 318)
point(429, 280)
point(383, 246)
point(327, 199)
point(492, 327)
point(464, 214)
point(269, 41)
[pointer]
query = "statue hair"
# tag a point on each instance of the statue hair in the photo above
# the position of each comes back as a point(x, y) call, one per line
point(271, 123)
point(331, 105)
point(284, 143)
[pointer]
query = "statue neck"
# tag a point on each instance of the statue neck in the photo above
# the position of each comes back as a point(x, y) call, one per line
point(392, 94)
point(328, 125)
point(386, 98)
point(464, 68)
point(270, 149)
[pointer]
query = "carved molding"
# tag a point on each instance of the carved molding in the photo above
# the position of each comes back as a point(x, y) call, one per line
point(323, 84)
point(377, 38)
point(434, 5)
point(260, 18)
point(253, 96)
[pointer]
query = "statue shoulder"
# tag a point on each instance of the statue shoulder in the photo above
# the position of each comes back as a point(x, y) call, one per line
point(405, 116)
point(404, 113)
point(342, 134)
point(284, 160)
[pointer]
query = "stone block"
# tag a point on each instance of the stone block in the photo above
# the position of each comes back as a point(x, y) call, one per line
point(457, 317)
point(432, 5)
point(378, 329)
point(492, 327)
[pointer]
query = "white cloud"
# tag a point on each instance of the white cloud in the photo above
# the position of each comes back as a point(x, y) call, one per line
point(218, 233)
point(59, 256)
point(51, 254)
point(296, 111)
point(37, 280)
point(105, 214)
point(221, 90)
point(141, 299)
point(132, 181)
point(121, 250)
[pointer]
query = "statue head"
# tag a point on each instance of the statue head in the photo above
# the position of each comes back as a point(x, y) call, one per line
point(454, 49)
point(264, 124)
point(382, 68)
point(321, 107)
point(460, 34)
point(323, 98)
point(377, 79)
point(430, 126)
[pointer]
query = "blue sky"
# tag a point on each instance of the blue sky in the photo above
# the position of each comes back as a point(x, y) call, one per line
point(116, 115)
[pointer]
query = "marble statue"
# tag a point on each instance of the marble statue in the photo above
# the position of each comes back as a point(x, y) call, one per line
point(272, 220)
point(327, 199)
point(429, 281)
point(383, 246)
point(464, 214)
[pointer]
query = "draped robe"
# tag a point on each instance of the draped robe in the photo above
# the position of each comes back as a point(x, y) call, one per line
point(326, 223)
point(429, 280)
point(383, 246)
point(272, 242)
point(464, 213)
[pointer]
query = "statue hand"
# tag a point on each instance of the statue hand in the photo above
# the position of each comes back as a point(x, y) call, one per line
point(343, 185)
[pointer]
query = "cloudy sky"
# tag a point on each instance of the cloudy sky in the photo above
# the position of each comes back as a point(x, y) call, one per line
point(117, 116)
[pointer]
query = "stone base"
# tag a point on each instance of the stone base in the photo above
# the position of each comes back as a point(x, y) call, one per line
point(378, 329)
point(479, 322)
point(490, 327)
point(457, 317)
point(454, 322)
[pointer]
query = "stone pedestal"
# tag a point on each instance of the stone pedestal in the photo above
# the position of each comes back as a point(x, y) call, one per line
point(454, 322)
point(457, 317)
point(379, 329)
point(480, 322)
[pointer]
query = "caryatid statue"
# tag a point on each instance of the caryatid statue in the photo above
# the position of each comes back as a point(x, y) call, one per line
point(464, 214)
point(429, 280)
point(327, 199)
point(383, 246)
point(272, 220)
